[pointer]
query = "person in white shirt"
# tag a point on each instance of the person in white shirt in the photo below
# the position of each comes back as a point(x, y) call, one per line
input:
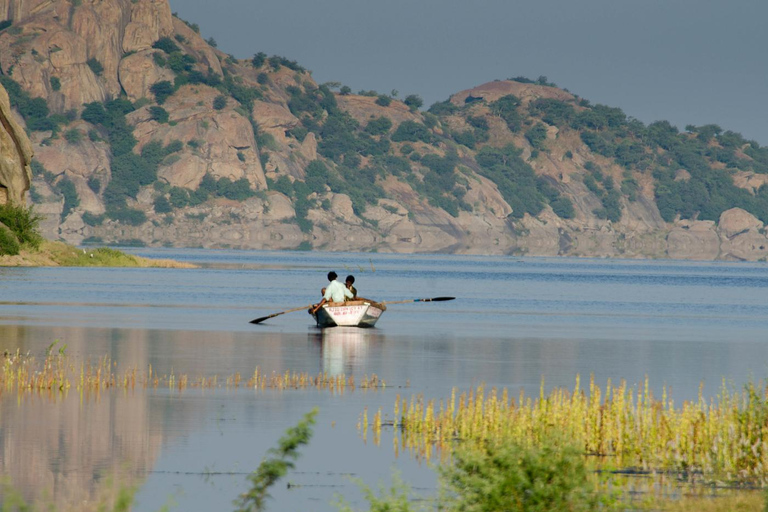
point(334, 292)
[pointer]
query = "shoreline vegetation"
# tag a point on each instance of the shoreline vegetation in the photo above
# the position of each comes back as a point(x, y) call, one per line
point(60, 254)
point(22, 245)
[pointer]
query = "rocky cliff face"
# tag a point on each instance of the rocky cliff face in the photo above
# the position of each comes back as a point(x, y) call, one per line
point(15, 155)
point(254, 154)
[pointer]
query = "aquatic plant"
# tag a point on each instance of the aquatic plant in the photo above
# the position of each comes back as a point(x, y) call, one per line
point(515, 477)
point(58, 372)
point(620, 426)
point(275, 467)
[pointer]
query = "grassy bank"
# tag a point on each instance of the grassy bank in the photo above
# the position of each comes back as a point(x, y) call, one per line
point(59, 254)
point(22, 245)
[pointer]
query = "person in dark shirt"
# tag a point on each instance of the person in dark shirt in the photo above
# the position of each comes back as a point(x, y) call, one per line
point(350, 281)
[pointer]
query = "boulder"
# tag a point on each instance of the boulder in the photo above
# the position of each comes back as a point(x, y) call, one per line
point(737, 221)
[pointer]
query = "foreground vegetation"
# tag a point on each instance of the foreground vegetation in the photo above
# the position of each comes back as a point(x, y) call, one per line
point(621, 428)
point(497, 454)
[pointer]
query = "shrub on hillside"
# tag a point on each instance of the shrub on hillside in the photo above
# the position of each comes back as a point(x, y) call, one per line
point(413, 102)
point(167, 45)
point(219, 102)
point(537, 135)
point(259, 59)
point(71, 200)
point(34, 110)
point(162, 205)
point(411, 131)
point(378, 126)
point(73, 136)
point(162, 90)
point(158, 114)
point(9, 244)
point(95, 66)
point(443, 108)
point(23, 222)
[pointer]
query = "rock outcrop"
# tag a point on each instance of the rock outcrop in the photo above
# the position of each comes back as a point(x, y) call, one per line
point(15, 155)
point(262, 125)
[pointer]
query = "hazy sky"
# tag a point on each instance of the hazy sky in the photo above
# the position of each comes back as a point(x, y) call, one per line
point(685, 61)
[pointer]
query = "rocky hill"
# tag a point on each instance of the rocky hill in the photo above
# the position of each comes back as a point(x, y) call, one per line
point(143, 132)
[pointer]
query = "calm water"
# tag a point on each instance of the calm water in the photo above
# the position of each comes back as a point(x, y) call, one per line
point(515, 322)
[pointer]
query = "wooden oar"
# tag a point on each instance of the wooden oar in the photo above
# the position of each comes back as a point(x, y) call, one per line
point(433, 299)
point(259, 320)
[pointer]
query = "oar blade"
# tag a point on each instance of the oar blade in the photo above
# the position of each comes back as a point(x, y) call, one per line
point(439, 299)
point(273, 315)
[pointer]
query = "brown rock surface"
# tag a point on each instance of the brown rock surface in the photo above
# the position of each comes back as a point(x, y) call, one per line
point(737, 221)
point(749, 180)
point(364, 109)
point(696, 240)
point(138, 72)
point(15, 155)
point(492, 91)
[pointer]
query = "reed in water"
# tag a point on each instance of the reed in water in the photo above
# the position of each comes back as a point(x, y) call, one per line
point(58, 373)
point(621, 427)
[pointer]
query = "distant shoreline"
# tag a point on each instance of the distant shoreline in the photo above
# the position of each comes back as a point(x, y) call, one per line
point(59, 254)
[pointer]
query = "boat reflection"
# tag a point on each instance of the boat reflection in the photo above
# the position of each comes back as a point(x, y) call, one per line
point(344, 350)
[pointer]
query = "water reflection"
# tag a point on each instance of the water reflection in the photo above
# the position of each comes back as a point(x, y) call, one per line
point(344, 350)
point(69, 451)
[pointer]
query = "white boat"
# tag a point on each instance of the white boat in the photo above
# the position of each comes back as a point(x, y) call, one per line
point(355, 313)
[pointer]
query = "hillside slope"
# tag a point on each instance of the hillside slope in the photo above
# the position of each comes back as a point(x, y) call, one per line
point(145, 133)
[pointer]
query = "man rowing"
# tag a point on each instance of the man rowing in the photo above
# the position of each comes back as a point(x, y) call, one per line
point(334, 292)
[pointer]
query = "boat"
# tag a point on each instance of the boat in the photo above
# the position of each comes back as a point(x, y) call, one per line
point(353, 313)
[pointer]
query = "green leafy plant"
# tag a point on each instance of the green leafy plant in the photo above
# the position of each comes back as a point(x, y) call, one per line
point(167, 45)
point(411, 131)
point(219, 102)
point(23, 222)
point(413, 102)
point(95, 66)
point(9, 244)
point(279, 461)
point(537, 135)
point(158, 114)
point(162, 90)
point(69, 192)
point(397, 497)
point(73, 136)
point(513, 477)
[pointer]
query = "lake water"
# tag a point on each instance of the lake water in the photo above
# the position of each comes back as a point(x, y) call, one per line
point(515, 321)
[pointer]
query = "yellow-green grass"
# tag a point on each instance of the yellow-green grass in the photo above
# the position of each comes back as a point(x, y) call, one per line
point(742, 501)
point(724, 439)
point(61, 254)
point(58, 373)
